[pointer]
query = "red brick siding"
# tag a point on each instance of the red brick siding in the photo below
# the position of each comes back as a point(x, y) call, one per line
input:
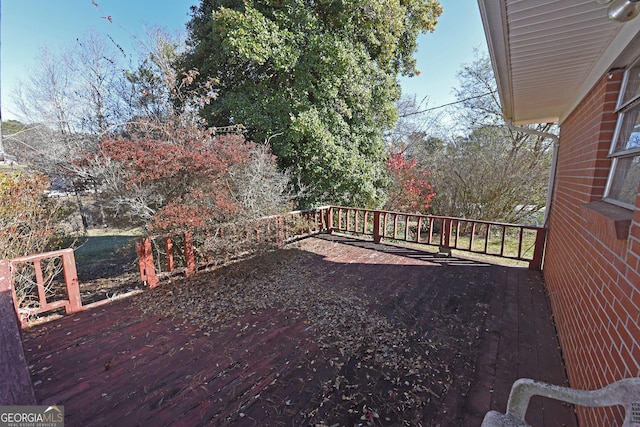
point(593, 278)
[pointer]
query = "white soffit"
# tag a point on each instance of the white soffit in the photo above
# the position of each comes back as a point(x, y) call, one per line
point(547, 55)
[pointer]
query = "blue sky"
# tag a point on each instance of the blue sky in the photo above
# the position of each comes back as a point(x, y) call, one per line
point(441, 54)
point(29, 25)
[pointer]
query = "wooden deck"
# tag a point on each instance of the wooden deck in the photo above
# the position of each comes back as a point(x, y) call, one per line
point(475, 326)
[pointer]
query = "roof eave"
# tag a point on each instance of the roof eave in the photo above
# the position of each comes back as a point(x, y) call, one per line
point(494, 20)
point(496, 27)
point(624, 39)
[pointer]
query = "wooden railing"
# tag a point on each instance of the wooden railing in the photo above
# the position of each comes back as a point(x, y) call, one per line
point(31, 267)
point(512, 241)
point(16, 387)
point(184, 253)
point(160, 256)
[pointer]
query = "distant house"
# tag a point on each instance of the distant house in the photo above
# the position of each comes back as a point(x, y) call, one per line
point(566, 61)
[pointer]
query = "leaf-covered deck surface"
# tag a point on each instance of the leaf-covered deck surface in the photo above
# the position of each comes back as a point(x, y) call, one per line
point(329, 331)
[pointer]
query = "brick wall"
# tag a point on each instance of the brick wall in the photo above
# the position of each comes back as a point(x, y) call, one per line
point(593, 275)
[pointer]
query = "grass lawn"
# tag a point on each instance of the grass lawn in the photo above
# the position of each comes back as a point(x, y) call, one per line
point(105, 254)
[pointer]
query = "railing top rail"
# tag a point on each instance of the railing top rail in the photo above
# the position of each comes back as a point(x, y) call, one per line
point(297, 212)
point(44, 255)
point(263, 218)
point(477, 221)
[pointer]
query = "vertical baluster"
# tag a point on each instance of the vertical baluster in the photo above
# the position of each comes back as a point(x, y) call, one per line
point(406, 228)
point(430, 237)
point(395, 226)
point(384, 224)
point(473, 235)
point(168, 248)
point(37, 269)
point(520, 239)
point(486, 239)
point(457, 235)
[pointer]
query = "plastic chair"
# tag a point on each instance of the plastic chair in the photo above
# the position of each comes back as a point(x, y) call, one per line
point(624, 392)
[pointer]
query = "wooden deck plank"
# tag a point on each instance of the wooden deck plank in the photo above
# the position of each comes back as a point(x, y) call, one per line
point(104, 351)
point(550, 364)
point(483, 386)
point(268, 368)
point(527, 341)
point(507, 362)
point(235, 387)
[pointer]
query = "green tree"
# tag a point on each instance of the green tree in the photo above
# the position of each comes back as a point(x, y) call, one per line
point(316, 79)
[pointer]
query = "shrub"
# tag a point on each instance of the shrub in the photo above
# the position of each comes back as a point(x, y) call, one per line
point(30, 222)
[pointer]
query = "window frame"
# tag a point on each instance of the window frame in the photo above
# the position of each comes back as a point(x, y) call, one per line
point(624, 105)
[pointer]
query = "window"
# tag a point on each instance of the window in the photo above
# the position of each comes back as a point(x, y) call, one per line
point(624, 177)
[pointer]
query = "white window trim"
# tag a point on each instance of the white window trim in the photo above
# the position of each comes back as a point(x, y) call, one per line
point(614, 154)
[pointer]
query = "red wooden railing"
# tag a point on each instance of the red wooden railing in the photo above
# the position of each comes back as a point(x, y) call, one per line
point(481, 237)
point(275, 230)
point(16, 387)
point(71, 304)
point(447, 233)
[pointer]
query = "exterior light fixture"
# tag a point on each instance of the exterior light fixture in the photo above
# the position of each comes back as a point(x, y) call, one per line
point(623, 10)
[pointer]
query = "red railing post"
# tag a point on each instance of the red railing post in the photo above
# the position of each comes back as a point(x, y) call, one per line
point(145, 262)
point(280, 231)
point(6, 285)
point(329, 219)
point(538, 251)
point(189, 254)
point(306, 216)
point(5, 276)
point(376, 226)
point(71, 281)
point(445, 237)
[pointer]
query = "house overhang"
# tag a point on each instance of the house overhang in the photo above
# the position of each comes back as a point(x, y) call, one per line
point(547, 55)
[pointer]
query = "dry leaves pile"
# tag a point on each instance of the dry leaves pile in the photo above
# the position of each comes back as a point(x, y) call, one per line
point(383, 373)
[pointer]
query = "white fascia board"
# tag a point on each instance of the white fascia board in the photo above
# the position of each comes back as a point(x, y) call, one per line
point(494, 21)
